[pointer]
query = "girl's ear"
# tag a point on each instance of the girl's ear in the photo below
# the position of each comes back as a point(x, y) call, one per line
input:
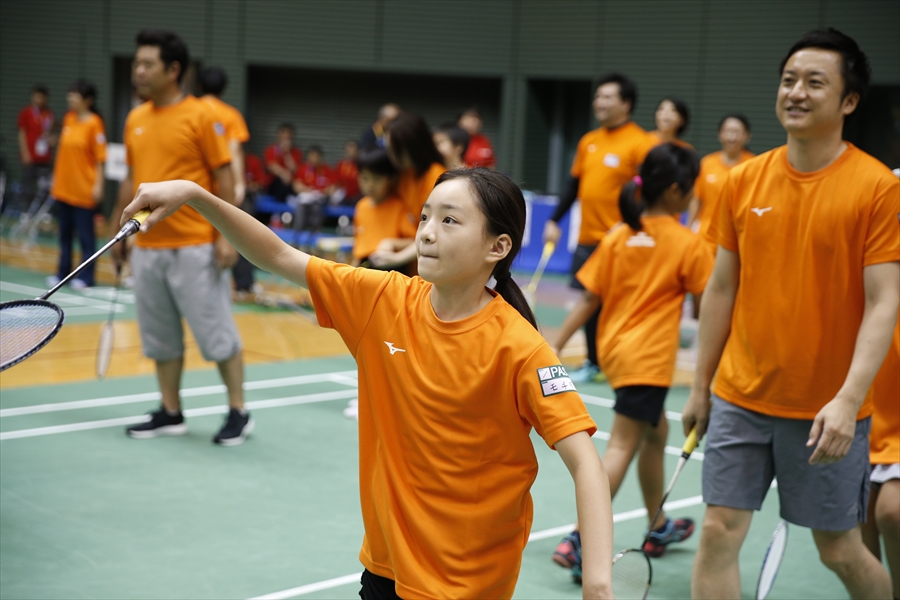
point(499, 248)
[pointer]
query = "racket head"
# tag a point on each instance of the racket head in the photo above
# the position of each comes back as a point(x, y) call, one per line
point(772, 561)
point(104, 349)
point(26, 326)
point(632, 574)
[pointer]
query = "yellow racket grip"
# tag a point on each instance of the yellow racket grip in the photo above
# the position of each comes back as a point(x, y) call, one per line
point(141, 216)
point(691, 442)
point(549, 247)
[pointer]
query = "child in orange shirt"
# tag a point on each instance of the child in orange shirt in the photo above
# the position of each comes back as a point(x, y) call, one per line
point(453, 377)
point(640, 274)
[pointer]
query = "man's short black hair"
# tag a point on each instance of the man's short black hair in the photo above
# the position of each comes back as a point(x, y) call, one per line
point(315, 148)
point(739, 116)
point(375, 160)
point(287, 126)
point(172, 48)
point(627, 89)
point(855, 67)
point(40, 88)
point(212, 80)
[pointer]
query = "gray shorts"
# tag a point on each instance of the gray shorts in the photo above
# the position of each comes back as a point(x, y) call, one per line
point(745, 450)
point(183, 282)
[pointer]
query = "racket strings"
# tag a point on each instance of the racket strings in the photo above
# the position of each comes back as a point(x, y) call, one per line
point(631, 575)
point(23, 327)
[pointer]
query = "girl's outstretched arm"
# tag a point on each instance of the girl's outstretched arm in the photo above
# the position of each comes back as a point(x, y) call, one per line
point(586, 305)
point(594, 512)
point(250, 237)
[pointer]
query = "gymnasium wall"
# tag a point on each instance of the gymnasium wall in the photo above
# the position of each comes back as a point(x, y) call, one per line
point(718, 55)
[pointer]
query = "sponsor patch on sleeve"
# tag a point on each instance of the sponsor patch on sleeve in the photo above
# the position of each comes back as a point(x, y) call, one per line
point(554, 380)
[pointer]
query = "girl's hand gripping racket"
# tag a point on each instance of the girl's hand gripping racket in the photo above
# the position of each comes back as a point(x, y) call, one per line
point(772, 561)
point(539, 272)
point(632, 572)
point(26, 326)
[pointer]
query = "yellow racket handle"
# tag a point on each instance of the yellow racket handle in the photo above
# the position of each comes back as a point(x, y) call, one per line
point(690, 443)
point(549, 247)
point(141, 216)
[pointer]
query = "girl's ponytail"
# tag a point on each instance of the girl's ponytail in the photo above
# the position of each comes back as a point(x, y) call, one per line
point(631, 204)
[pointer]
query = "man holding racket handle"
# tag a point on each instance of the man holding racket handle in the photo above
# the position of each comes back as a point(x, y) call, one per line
point(179, 269)
point(797, 317)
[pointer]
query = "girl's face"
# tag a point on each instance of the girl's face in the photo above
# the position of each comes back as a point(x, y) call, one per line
point(452, 241)
point(76, 102)
point(733, 135)
point(667, 118)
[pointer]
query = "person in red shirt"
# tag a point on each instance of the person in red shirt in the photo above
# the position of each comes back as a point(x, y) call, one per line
point(313, 186)
point(348, 174)
point(480, 152)
point(283, 160)
point(36, 141)
point(257, 177)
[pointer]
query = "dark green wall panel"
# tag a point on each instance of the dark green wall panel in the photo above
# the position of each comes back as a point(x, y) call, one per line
point(875, 24)
point(187, 18)
point(559, 39)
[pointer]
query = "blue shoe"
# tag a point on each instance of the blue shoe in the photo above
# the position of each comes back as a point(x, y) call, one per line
point(673, 531)
point(587, 372)
point(568, 551)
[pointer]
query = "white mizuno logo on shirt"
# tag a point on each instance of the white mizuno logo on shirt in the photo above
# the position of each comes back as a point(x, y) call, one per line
point(759, 211)
point(393, 350)
point(641, 240)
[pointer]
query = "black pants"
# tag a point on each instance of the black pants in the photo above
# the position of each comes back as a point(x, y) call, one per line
point(79, 221)
point(375, 587)
point(582, 253)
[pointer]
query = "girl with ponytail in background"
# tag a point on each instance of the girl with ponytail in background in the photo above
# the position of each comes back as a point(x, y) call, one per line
point(640, 275)
point(453, 376)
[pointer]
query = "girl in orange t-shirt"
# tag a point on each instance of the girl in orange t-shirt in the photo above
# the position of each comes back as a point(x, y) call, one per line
point(78, 180)
point(453, 376)
point(672, 118)
point(640, 275)
point(411, 148)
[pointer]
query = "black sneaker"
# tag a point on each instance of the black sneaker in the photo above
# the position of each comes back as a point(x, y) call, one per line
point(236, 428)
point(158, 423)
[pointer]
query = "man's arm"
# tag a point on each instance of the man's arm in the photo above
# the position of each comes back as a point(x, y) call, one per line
point(566, 200)
point(592, 500)
point(834, 427)
point(715, 326)
point(237, 170)
point(24, 154)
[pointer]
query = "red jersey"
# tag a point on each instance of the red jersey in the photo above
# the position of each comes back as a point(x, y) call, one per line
point(317, 178)
point(255, 171)
point(37, 125)
point(348, 177)
point(274, 154)
point(480, 152)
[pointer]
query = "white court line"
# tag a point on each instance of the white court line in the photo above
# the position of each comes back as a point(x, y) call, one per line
point(341, 377)
point(87, 305)
point(535, 535)
point(191, 412)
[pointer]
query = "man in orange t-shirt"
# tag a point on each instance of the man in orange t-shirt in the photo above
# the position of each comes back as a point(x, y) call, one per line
point(798, 317)
point(606, 158)
point(179, 267)
point(212, 82)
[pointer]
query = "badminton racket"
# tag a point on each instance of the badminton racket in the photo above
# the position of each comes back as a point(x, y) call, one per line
point(531, 289)
point(772, 561)
point(632, 573)
point(26, 326)
point(105, 346)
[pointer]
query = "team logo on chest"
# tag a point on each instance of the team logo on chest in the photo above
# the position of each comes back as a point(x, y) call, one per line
point(554, 380)
point(393, 350)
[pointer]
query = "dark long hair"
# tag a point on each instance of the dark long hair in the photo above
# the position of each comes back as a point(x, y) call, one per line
point(409, 134)
point(86, 90)
point(683, 111)
point(503, 206)
point(666, 164)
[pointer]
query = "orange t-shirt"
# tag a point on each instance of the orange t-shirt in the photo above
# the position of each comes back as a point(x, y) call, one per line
point(642, 278)
point(181, 141)
point(82, 145)
point(414, 191)
point(656, 140)
point(713, 173)
point(446, 461)
point(230, 117)
point(373, 223)
point(885, 435)
point(803, 240)
point(605, 160)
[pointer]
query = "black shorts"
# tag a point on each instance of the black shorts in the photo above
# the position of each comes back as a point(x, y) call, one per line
point(376, 587)
point(641, 402)
point(579, 257)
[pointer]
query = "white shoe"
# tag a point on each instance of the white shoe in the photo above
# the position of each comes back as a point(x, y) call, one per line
point(51, 281)
point(78, 285)
point(352, 410)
